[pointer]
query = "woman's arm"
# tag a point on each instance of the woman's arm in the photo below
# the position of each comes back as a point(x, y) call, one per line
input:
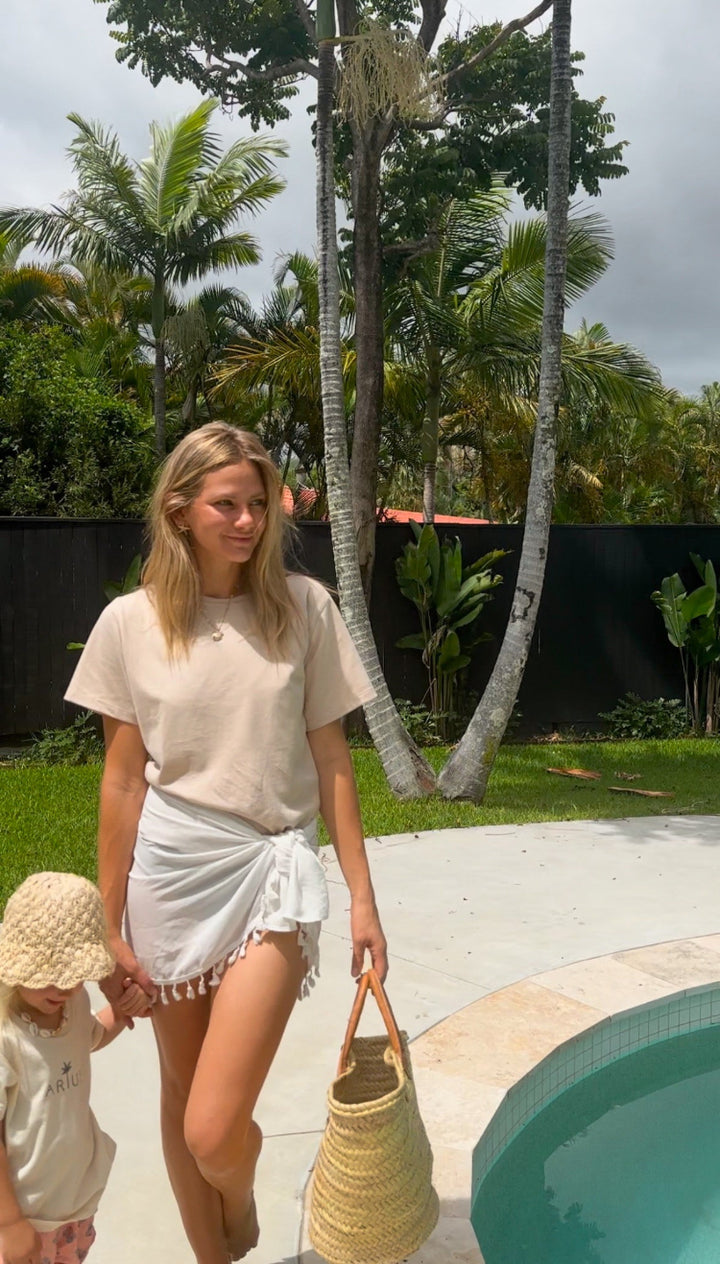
point(122, 794)
point(340, 810)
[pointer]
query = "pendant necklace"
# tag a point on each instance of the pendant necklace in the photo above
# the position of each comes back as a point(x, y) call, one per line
point(217, 628)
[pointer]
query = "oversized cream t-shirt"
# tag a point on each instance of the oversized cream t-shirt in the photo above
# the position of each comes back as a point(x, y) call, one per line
point(226, 726)
point(59, 1159)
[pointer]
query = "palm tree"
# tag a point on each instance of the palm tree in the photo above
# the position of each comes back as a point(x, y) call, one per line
point(469, 315)
point(406, 769)
point(106, 314)
point(198, 334)
point(170, 217)
point(467, 771)
point(26, 289)
point(423, 306)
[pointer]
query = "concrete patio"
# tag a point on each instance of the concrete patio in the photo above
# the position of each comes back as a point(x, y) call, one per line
point(466, 912)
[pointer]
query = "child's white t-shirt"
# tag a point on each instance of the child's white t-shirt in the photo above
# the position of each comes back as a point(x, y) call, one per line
point(59, 1159)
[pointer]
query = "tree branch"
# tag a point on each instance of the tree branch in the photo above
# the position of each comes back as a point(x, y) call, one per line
point(299, 66)
point(518, 24)
point(348, 17)
point(432, 124)
point(306, 18)
point(421, 246)
point(433, 14)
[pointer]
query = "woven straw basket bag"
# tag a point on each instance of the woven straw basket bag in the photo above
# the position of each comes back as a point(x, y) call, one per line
point(372, 1200)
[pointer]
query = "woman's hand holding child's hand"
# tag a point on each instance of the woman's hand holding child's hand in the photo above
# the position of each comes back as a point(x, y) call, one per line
point(129, 989)
point(19, 1243)
point(133, 1002)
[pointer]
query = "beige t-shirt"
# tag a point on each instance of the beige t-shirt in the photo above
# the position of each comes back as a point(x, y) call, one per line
point(226, 727)
point(58, 1157)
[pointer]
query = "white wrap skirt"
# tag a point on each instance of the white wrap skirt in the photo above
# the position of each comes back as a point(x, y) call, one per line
point(203, 883)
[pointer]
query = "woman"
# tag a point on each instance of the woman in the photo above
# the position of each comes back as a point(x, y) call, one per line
point(222, 683)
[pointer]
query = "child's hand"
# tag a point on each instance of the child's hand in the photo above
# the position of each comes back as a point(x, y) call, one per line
point(133, 1002)
point(20, 1243)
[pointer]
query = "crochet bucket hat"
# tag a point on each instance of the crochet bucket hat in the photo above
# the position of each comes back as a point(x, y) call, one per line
point(54, 933)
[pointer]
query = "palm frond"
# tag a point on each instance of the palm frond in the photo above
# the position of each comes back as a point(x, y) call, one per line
point(177, 155)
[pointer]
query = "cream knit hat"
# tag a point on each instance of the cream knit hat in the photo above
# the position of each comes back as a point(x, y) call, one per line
point(54, 933)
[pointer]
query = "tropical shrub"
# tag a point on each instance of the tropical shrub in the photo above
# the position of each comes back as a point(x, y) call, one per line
point(636, 717)
point(78, 743)
point(449, 599)
point(692, 621)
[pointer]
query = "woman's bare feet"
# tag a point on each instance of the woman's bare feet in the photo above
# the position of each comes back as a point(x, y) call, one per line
point(239, 1214)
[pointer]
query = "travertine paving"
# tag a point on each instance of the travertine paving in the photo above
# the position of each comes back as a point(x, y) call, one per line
point(468, 913)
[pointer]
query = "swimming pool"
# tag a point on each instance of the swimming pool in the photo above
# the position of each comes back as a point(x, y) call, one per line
point(610, 1152)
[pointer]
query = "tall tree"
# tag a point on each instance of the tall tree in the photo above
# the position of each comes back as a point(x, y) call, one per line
point(467, 771)
point(407, 771)
point(252, 54)
point(170, 217)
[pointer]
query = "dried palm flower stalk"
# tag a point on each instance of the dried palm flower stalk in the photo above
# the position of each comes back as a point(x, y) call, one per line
point(385, 69)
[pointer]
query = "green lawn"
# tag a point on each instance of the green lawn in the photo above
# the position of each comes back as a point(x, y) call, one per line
point(47, 815)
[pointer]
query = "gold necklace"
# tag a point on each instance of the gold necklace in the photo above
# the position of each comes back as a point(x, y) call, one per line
point(217, 628)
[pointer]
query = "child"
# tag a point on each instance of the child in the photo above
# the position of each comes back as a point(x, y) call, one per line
point(54, 1159)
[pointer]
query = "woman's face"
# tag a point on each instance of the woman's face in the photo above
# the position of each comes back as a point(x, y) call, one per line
point(227, 517)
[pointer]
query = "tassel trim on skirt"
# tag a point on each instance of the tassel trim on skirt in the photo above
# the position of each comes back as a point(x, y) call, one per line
point(204, 883)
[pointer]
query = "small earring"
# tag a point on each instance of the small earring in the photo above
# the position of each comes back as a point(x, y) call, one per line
point(183, 527)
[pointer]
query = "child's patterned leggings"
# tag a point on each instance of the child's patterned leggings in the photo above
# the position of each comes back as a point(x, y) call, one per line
point(69, 1244)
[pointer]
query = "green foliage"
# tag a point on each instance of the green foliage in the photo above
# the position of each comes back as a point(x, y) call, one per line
point(77, 743)
point(53, 811)
point(168, 40)
point(498, 121)
point(692, 622)
point(170, 218)
point(129, 582)
point(254, 41)
point(68, 447)
point(636, 717)
point(422, 725)
point(449, 599)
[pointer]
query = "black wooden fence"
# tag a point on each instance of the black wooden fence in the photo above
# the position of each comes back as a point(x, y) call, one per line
point(598, 634)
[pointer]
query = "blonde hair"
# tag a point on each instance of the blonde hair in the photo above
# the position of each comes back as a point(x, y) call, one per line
point(171, 571)
point(8, 1002)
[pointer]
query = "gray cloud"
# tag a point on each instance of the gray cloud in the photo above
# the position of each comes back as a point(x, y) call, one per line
point(655, 64)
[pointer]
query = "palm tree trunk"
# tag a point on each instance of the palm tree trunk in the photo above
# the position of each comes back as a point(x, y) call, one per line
point(466, 774)
point(431, 433)
point(159, 398)
point(407, 771)
point(158, 322)
point(369, 340)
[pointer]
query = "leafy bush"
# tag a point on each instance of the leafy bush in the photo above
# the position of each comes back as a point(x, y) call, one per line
point(68, 446)
point(636, 717)
point(421, 724)
point(79, 743)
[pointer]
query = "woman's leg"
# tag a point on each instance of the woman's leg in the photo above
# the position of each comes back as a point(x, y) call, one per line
point(249, 1015)
point(180, 1029)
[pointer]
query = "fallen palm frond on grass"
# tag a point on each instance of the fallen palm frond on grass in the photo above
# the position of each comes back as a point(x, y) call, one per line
point(48, 815)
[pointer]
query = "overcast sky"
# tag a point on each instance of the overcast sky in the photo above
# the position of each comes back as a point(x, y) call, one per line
point(655, 62)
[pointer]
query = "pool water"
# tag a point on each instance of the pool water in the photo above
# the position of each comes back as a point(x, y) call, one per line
point(622, 1168)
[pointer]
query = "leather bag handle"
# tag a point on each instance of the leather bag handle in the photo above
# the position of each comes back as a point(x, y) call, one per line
point(370, 981)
